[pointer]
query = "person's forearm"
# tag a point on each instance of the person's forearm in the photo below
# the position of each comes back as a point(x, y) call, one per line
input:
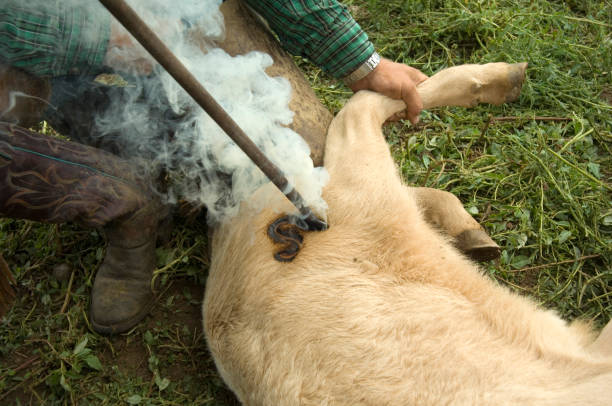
point(322, 31)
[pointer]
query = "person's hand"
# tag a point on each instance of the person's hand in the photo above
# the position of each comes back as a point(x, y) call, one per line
point(397, 81)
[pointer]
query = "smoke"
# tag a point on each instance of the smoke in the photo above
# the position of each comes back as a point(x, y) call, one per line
point(154, 120)
point(157, 120)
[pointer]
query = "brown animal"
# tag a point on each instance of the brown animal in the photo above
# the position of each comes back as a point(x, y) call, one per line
point(382, 309)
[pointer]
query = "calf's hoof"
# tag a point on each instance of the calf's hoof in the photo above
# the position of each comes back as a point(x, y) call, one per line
point(516, 77)
point(477, 245)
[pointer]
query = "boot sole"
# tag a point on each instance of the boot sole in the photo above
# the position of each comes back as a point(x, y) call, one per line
point(124, 326)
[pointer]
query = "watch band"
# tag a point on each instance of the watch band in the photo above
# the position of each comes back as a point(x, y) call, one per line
point(363, 69)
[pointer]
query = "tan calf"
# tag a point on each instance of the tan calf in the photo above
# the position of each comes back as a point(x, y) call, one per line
point(382, 309)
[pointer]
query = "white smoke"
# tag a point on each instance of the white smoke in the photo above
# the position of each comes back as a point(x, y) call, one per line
point(198, 156)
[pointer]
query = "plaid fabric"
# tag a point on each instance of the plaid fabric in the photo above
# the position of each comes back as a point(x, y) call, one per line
point(54, 38)
point(320, 30)
point(63, 39)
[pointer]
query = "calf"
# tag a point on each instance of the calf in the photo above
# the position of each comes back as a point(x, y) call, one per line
point(382, 309)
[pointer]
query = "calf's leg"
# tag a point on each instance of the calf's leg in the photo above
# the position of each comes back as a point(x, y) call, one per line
point(469, 85)
point(357, 128)
point(445, 211)
point(464, 85)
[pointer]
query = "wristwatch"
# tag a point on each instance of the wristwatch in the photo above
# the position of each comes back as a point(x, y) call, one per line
point(363, 69)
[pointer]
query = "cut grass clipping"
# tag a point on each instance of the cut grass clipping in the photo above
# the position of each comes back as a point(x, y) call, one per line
point(536, 173)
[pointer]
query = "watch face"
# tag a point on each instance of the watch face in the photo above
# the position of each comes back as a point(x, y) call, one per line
point(363, 70)
point(374, 60)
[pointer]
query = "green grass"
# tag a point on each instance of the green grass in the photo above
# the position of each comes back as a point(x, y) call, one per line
point(541, 188)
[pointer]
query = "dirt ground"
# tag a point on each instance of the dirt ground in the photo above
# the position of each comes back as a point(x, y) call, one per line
point(169, 344)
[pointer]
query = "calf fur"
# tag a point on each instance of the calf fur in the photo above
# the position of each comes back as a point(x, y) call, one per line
point(382, 309)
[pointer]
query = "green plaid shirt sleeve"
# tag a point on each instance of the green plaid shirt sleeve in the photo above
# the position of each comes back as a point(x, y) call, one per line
point(58, 39)
point(61, 39)
point(320, 30)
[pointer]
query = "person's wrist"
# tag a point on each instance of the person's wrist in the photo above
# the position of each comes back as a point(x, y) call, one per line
point(363, 70)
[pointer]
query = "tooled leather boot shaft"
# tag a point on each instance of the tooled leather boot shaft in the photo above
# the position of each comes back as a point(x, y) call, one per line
point(51, 180)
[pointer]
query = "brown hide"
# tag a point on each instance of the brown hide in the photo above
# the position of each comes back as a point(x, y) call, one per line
point(245, 33)
point(22, 96)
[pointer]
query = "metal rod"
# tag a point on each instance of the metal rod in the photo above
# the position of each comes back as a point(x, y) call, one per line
point(164, 56)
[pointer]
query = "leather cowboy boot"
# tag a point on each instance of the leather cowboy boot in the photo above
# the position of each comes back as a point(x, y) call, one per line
point(52, 180)
point(121, 294)
point(122, 291)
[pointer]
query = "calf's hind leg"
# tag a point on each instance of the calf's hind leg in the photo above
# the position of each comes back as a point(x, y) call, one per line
point(445, 211)
point(360, 121)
